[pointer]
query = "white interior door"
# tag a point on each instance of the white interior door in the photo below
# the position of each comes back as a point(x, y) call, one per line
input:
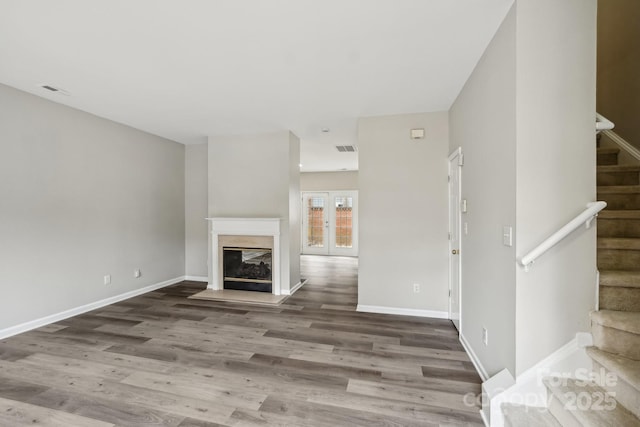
point(315, 223)
point(329, 223)
point(455, 222)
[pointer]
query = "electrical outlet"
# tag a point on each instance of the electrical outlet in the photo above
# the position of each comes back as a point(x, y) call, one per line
point(416, 288)
point(107, 279)
point(485, 336)
point(137, 273)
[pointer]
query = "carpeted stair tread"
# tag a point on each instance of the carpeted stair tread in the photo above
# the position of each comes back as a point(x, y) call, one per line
point(620, 196)
point(618, 168)
point(618, 189)
point(626, 369)
point(619, 376)
point(619, 243)
point(521, 415)
point(620, 278)
point(565, 394)
point(619, 214)
point(619, 222)
point(627, 321)
point(608, 150)
point(618, 298)
point(607, 156)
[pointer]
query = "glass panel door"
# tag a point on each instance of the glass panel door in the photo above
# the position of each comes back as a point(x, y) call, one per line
point(315, 222)
point(329, 223)
point(343, 230)
point(343, 223)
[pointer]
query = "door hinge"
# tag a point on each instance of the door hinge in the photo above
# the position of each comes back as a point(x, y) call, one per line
point(449, 236)
point(449, 178)
point(449, 293)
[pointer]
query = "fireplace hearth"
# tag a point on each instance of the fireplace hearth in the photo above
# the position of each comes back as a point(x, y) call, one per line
point(247, 269)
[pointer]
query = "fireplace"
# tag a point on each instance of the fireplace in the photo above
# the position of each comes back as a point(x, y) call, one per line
point(247, 269)
point(246, 254)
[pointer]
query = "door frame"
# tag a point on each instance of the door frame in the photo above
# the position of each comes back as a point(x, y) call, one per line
point(457, 222)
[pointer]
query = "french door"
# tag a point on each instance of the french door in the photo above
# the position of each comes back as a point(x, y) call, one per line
point(329, 223)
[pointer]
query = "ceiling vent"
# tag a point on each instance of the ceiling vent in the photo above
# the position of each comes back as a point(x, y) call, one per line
point(54, 89)
point(346, 148)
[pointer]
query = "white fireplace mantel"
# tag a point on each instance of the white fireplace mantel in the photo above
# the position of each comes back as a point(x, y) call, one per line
point(245, 227)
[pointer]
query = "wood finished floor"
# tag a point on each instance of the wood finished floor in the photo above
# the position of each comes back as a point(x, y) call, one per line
point(163, 360)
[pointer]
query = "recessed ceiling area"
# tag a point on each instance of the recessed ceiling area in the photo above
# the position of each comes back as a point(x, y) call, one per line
point(185, 70)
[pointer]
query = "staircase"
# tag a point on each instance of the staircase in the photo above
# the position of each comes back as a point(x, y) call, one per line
point(613, 397)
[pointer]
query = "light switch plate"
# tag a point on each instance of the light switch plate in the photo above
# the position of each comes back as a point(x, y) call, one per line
point(507, 236)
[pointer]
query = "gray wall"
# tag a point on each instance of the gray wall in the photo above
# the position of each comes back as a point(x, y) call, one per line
point(329, 181)
point(531, 98)
point(82, 197)
point(403, 203)
point(196, 210)
point(251, 176)
point(556, 171)
point(488, 267)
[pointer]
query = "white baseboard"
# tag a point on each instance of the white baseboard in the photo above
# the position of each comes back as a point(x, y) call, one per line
point(474, 358)
point(295, 288)
point(37, 323)
point(197, 278)
point(402, 311)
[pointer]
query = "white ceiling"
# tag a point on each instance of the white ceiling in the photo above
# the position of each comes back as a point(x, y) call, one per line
point(192, 68)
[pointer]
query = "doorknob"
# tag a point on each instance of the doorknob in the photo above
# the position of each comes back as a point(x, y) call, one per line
point(455, 252)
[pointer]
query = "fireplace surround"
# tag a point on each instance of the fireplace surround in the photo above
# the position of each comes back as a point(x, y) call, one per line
point(249, 241)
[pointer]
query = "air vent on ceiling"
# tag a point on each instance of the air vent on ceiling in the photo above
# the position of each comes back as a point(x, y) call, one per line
point(54, 89)
point(346, 148)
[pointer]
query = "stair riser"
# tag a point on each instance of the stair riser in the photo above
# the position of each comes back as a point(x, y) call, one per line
point(619, 299)
point(618, 178)
point(618, 259)
point(624, 393)
point(621, 200)
point(616, 341)
point(607, 159)
point(618, 227)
